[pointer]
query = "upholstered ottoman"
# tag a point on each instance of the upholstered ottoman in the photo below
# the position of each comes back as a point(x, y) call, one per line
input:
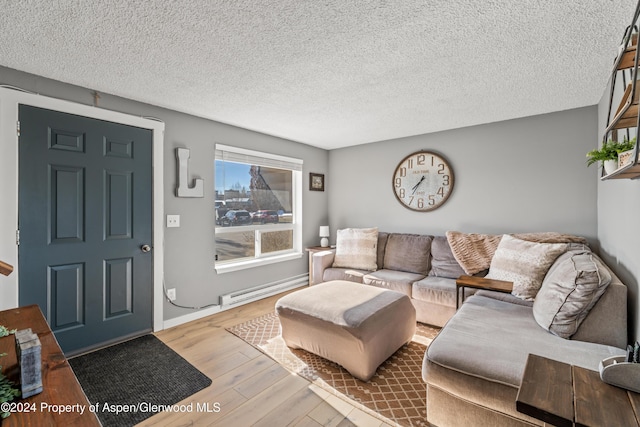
point(354, 325)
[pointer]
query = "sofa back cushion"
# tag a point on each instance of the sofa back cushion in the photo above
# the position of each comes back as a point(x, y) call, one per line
point(357, 248)
point(443, 263)
point(573, 285)
point(382, 246)
point(408, 252)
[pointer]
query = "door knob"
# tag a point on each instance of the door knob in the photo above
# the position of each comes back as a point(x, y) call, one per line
point(145, 248)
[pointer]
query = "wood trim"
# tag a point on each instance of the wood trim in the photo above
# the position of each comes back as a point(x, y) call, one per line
point(5, 268)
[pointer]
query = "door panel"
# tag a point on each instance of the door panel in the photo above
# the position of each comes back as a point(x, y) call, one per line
point(118, 287)
point(67, 203)
point(118, 205)
point(85, 210)
point(66, 295)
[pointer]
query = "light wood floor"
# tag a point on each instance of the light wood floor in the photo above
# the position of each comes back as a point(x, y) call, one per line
point(249, 388)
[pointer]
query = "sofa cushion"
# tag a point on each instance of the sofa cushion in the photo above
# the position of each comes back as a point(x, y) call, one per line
point(480, 355)
point(382, 245)
point(408, 252)
point(357, 248)
point(339, 273)
point(399, 281)
point(437, 290)
point(573, 285)
point(501, 296)
point(491, 339)
point(443, 263)
point(523, 263)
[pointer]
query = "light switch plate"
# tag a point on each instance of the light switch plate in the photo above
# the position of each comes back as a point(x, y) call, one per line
point(173, 221)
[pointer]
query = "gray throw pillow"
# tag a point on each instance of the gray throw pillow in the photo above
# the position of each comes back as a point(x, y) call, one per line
point(443, 263)
point(569, 291)
point(408, 252)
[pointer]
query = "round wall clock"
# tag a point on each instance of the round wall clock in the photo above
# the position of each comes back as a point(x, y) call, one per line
point(423, 181)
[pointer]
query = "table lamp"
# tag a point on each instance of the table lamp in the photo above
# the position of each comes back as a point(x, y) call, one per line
point(324, 233)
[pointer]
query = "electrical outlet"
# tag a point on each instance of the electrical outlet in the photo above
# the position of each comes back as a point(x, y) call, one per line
point(171, 294)
point(173, 221)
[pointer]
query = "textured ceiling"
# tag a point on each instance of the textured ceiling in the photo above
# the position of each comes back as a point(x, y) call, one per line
point(330, 73)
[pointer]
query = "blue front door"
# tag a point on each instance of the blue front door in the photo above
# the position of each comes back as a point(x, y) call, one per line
point(85, 219)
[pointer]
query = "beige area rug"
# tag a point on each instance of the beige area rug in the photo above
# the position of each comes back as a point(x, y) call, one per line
point(396, 393)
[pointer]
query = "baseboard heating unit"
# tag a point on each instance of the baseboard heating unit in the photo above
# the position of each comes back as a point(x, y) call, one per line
point(258, 292)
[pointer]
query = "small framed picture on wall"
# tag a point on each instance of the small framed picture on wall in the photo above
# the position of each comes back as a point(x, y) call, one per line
point(316, 181)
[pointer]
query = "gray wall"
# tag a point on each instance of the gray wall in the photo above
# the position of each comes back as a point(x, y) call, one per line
point(189, 250)
point(515, 176)
point(619, 227)
point(520, 175)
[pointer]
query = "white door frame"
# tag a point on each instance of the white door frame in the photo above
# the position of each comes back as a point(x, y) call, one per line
point(9, 101)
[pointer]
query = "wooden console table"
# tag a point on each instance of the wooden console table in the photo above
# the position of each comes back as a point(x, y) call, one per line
point(480, 283)
point(60, 385)
point(565, 395)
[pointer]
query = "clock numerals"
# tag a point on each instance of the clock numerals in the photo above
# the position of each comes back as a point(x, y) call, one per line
point(420, 161)
point(419, 202)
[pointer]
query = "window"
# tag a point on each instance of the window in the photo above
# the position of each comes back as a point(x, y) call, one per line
point(258, 208)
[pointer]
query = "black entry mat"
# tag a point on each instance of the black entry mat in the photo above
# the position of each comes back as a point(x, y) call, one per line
point(131, 381)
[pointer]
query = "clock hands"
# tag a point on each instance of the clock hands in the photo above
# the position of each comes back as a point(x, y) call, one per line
point(415, 187)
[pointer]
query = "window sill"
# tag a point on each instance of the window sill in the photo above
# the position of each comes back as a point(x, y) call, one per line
point(243, 265)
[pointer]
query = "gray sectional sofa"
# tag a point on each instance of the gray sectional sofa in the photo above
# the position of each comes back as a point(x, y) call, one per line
point(420, 266)
point(473, 368)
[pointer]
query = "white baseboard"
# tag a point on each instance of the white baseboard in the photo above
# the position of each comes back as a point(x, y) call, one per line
point(282, 286)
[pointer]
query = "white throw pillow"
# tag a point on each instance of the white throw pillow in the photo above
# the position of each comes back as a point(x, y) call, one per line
point(572, 287)
point(523, 263)
point(357, 248)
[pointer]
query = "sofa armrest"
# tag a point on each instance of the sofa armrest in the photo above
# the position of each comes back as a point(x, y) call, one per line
point(606, 323)
point(320, 262)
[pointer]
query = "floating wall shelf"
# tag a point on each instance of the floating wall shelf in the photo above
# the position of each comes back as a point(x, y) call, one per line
point(625, 123)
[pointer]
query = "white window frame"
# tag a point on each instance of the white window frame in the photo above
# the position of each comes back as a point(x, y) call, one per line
point(269, 160)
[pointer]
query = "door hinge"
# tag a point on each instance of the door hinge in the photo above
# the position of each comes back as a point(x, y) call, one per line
point(18, 237)
point(18, 127)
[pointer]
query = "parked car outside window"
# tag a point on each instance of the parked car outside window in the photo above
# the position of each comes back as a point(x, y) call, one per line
point(265, 216)
point(236, 218)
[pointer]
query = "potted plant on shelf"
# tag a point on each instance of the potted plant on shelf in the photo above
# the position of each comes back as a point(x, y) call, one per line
point(608, 154)
point(626, 152)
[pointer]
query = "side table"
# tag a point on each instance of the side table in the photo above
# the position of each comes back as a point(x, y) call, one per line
point(480, 283)
point(565, 395)
point(60, 386)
